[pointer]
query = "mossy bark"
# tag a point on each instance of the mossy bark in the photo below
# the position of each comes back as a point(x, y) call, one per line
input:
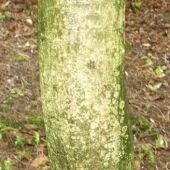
point(81, 47)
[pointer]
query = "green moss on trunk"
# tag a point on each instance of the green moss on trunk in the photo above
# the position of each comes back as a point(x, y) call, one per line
point(81, 47)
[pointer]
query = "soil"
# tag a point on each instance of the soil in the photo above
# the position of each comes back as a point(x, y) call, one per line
point(148, 85)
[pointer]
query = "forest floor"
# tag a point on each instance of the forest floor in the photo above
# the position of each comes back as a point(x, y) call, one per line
point(22, 137)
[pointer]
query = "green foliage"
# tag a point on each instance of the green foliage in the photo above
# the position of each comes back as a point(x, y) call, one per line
point(22, 58)
point(19, 143)
point(22, 155)
point(150, 154)
point(17, 92)
point(6, 165)
point(6, 16)
point(160, 71)
point(146, 152)
point(4, 127)
point(128, 47)
point(142, 123)
point(160, 142)
point(37, 120)
point(37, 138)
point(10, 121)
point(149, 59)
point(136, 4)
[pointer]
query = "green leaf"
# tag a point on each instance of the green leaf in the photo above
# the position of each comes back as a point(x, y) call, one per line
point(5, 16)
point(19, 143)
point(128, 47)
point(149, 59)
point(151, 158)
point(37, 138)
point(37, 120)
point(7, 165)
point(22, 58)
point(4, 127)
point(22, 155)
point(160, 71)
point(160, 143)
point(17, 92)
point(142, 123)
point(137, 4)
point(150, 154)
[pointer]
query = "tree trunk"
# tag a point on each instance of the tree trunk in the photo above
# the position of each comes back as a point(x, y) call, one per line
point(81, 47)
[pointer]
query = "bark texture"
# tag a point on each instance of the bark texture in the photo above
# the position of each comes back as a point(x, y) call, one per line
point(81, 47)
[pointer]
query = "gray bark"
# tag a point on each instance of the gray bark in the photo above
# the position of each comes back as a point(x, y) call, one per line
point(81, 48)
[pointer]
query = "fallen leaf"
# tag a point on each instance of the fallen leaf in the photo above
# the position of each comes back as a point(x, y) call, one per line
point(31, 127)
point(160, 143)
point(29, 21)
point(154, 87)
point(39, 161)
point(146, 45)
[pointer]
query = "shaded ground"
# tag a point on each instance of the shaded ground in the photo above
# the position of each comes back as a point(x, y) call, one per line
point(22, 139)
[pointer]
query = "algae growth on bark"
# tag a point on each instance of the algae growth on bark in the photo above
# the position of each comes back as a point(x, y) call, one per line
point(81, 49)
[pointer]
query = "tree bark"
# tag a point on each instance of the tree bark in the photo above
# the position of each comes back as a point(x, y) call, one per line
point(81, 48)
